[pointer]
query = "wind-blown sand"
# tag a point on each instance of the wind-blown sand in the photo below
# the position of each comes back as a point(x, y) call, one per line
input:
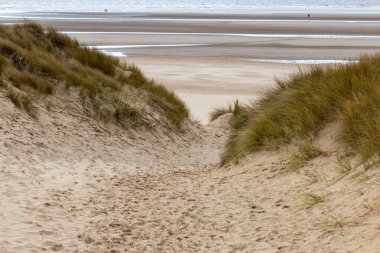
point(71, 184)
point(95, 189)
point(255, 206)
point(51, 168)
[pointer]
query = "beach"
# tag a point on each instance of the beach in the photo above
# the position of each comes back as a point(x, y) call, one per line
point(72, 183)
point(210, 60)
point(206, 84)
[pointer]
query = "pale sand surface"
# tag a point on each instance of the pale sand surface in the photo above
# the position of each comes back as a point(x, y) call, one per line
point(255, 206)
point(51, 168)
point(205, 84)
point(70, 184)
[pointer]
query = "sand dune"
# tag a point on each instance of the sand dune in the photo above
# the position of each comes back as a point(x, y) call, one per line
point(256, 206)
point(72, 184)
point(95, 189)
point(50, 168)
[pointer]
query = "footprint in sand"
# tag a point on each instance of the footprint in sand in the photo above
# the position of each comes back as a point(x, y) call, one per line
point(47, 232)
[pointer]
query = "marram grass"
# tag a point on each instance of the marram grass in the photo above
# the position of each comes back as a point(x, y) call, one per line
point(302, 104)
point(34, 61)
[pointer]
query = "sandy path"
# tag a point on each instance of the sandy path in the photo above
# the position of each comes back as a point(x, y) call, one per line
point(256, 206)
point(51, 167)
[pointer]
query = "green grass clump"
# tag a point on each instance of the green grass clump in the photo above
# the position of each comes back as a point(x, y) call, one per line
point(306, 152)
point(304, 103)
point(25, 79)
point(35, 61)
point(173, 107)
point(2, 64)
point(61, 41)
point(311, 199)
point(95, 59)
point(8, 48)
point(235, 109)
point(23, 101)
point(84, 55)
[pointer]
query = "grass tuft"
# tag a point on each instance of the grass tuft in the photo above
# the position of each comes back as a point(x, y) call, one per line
point(302, 104)
point(22, 101)
point(2, 64)
point(306, 152)
point(311, 199)
point(61, 41)
point(309, 150)
point(173, 107)
point(37, 61)
point(25, 79)
point(235, 109)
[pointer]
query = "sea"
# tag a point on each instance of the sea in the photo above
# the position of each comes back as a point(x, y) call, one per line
point(194, 6)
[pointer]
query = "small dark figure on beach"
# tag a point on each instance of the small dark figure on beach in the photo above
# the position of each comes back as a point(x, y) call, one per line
point(105, 10)
point(308, 15)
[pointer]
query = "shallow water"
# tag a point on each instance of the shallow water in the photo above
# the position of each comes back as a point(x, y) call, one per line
point(253, 35)
point(305, 62)
point(105, 47)
point(207, 6)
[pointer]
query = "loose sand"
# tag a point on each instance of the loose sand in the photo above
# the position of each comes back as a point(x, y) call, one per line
point(255, 206)
point(206, 84)
point(50, 169)
point(70, 184)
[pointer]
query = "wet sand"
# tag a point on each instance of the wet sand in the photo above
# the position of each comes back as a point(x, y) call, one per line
point(223, 36)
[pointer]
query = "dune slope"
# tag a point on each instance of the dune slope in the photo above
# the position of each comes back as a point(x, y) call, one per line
point(258, 205)
point(52, 166)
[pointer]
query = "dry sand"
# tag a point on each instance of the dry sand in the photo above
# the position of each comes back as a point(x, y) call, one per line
point(206, 84)
point(255, 206)
point(51, 168)
point(70, 184)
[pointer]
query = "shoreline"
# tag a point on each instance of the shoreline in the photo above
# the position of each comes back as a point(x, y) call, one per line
point(211, 15)
point(323, 13)
point(210, 60)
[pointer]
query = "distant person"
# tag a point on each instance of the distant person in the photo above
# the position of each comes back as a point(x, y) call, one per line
point(308, 15)
point(105, 10)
